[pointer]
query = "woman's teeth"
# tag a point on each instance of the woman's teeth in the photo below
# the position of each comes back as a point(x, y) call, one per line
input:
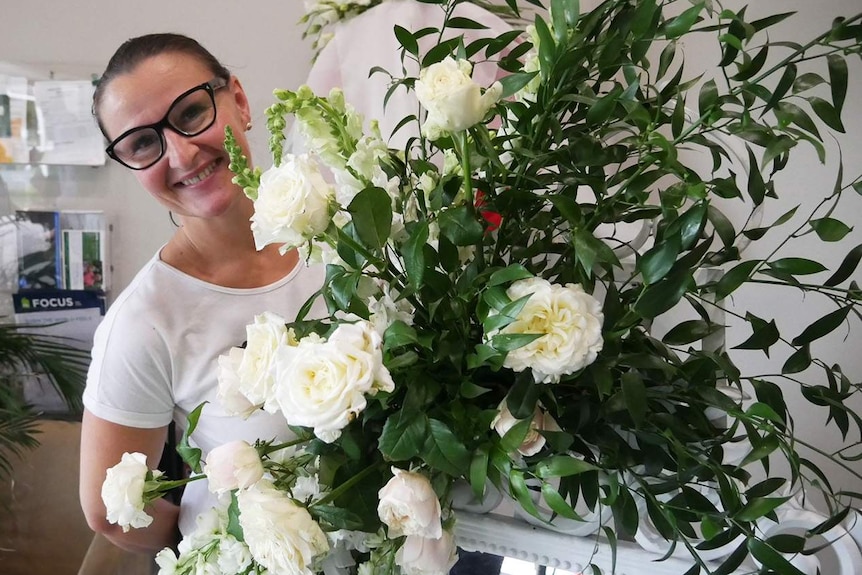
point(195, 179)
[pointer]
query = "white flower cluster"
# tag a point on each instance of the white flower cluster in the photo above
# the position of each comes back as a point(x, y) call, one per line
point(314, 382)
point(386, 308)
point(297, 199)
point(208, 550)
point(569, 321)
point(279, 534)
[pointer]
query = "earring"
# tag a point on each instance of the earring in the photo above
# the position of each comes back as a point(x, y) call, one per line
point(248, 126)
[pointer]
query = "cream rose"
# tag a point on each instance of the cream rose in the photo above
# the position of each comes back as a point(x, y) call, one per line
point(534, 441)
point(453, 100)
point(409, 506)
point(233, 465)
point(426, 556)
point(229, 391)
point(281, 535)
point(323, 384)
point(292, 205)
point(256, 370)
point(569, 321)
point(123, 492)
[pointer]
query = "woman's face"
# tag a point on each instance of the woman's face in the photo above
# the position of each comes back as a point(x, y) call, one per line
point(192, 177)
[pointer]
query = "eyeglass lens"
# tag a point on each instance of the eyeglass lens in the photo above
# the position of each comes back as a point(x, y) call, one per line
point(189, 115)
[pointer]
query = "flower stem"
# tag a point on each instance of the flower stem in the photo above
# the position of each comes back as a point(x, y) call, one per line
point(344, 487)
point(461, 146)
point(278, 447)
point(160, 488)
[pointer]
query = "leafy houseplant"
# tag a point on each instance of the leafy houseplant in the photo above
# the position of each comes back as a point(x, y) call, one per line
point(24, 352)
point(496, 326)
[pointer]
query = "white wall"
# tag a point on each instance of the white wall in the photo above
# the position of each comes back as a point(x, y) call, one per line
point(804, 183)
point(259, 40)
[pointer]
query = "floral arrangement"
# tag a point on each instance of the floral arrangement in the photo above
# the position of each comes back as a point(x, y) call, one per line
point(488, 327)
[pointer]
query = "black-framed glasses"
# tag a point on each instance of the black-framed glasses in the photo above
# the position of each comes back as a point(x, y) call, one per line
point(192, 113)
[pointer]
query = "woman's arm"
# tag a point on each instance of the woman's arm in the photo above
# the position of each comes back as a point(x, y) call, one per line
point(102, 445)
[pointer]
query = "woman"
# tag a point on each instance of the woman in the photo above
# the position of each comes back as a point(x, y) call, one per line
point(164, 102)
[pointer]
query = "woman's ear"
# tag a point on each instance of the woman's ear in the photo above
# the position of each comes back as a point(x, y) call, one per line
point(240, 99)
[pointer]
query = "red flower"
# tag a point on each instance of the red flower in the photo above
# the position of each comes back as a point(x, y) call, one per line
point(493, 219)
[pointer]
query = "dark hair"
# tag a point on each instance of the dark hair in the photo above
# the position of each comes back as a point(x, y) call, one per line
point(135, 50)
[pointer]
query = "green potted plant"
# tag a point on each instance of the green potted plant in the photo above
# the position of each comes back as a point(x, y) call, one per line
point(24, 352)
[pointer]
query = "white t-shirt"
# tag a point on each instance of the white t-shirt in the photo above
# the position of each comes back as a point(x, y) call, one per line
point(155, 356)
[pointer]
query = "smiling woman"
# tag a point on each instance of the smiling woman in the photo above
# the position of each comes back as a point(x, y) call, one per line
point(164, 102)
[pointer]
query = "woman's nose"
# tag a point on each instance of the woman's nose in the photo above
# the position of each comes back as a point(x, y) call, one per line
point(180, 150)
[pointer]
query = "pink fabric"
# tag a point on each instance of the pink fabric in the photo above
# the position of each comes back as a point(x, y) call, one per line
point(368, 40)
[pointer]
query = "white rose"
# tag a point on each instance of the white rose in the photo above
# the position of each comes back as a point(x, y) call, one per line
point(453, 100)
point(534, 441)
point(292, 205)
point(409, 506)
point(322, 384)
point(360, 341)
point(123, 492)
point(256, 370)
point(425, 556)
point(281, 535)
point(233, 465)
point(229, 391)
point(570, 322)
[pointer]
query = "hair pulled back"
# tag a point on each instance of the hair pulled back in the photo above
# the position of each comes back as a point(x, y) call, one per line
point(135, 50)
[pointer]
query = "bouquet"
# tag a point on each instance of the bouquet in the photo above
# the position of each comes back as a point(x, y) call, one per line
point(494, 323)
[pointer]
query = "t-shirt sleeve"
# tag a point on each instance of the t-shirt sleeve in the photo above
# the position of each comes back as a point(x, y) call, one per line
point(129, 380)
